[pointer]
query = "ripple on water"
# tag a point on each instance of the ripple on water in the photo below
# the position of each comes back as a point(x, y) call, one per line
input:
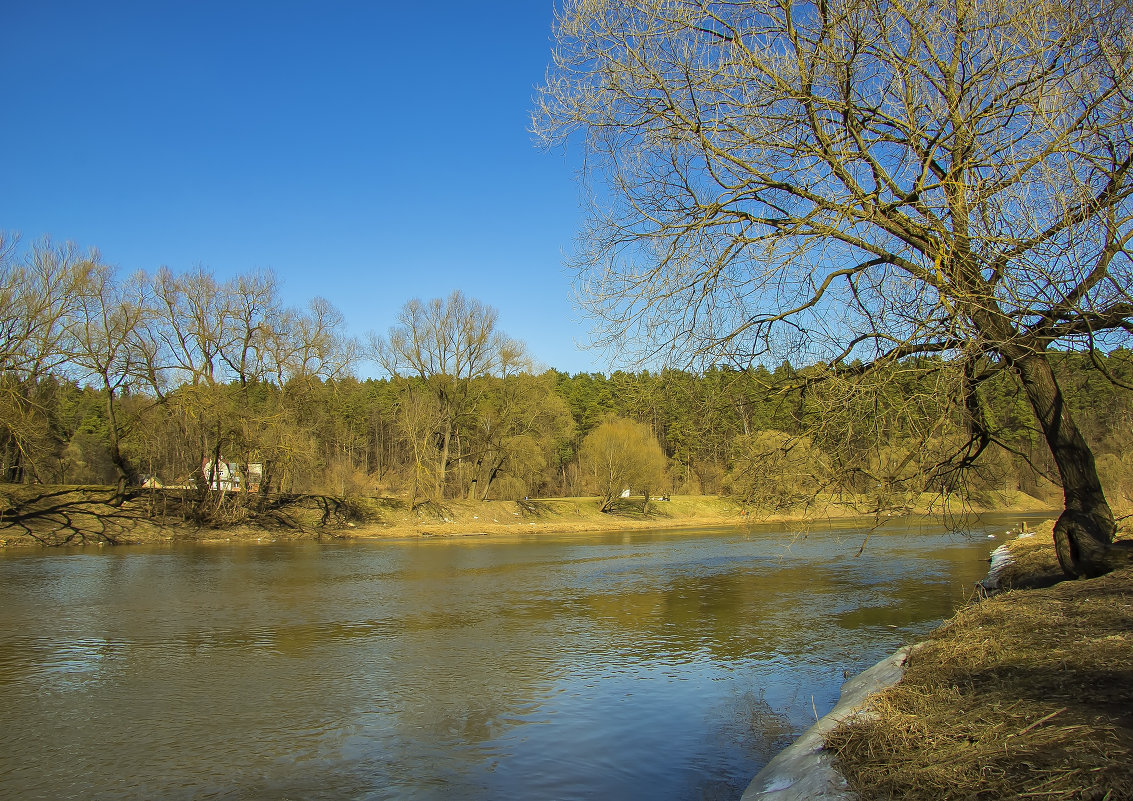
point(660, 666)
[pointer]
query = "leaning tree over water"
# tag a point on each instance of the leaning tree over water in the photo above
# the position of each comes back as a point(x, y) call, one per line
point(870, 183)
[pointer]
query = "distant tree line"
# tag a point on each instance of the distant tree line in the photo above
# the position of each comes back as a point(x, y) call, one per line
point(116, 381)
point(106, 376)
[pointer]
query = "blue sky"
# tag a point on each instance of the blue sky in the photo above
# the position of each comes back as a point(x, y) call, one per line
point(368, 152)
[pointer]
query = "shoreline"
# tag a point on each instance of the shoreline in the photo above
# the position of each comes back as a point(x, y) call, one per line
point(1023, 692)
point(807, 769)
point(40, 516)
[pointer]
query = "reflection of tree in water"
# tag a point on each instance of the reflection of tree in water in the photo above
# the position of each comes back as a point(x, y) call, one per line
point(750, 726)
point(762, 730)
point(467, 659)
point(744, 613)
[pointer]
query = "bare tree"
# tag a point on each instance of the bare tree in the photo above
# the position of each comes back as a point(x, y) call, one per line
point(446, 344)
point(302, 348)
point(863, 181)
point(215, 342)
point(418, 416)
point(310, 344)
point(38, 290)
point(105, 347)
point(519, 421)
point(194, 337)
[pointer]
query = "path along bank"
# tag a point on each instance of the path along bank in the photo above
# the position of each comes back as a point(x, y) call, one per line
point(1026, 694)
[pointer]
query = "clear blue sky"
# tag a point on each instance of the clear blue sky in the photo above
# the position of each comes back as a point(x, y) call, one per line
point(368, 152)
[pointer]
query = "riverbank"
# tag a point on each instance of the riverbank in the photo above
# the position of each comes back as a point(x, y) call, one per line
point(1028, 694)
point(462, 518)
point(51, 516)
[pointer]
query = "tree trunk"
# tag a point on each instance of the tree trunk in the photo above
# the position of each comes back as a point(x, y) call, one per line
point(265, 485)
point(1083, 534)
point(442, 462)
point(15, 464)
point(495, 471)
point(475, 477)
point(123, 469)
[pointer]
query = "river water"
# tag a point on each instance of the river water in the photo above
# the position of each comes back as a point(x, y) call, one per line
point(659, 665)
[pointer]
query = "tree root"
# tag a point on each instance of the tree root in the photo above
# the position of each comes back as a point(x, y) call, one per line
point(1083, 548)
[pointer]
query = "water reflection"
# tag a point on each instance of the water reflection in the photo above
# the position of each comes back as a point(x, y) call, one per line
point(656, 665)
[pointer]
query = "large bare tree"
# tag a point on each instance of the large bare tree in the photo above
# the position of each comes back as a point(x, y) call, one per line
point(868, 181)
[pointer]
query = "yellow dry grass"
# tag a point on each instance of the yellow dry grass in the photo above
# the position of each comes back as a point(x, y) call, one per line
point(1025, 695)
point(39, 515)
point(1033, 562)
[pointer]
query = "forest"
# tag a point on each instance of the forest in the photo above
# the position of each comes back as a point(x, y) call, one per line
point(150, 380)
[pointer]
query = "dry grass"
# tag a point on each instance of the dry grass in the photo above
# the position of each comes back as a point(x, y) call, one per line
point(38, 515)
point(1025, 695)
point(1033, 561)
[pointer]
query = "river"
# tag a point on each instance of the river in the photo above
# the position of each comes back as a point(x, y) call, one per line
point(659, 665)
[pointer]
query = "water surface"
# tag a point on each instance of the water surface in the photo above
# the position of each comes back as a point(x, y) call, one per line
point(661, 665)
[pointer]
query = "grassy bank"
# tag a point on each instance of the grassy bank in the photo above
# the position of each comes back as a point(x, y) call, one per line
point(40, 515)
point(1025, 695)
point(556, 515)
point(455, 518)
point(52, 516)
